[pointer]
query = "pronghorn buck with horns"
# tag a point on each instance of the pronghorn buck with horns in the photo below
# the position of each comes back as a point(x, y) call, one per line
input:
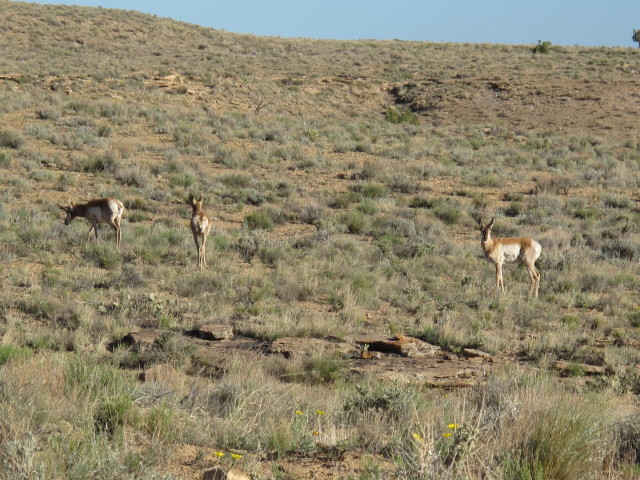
point(511, 250)
point(99, 210)
point(200, 227)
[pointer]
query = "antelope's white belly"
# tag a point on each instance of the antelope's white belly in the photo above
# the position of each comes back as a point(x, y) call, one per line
point(511, 253)
point(199, 224)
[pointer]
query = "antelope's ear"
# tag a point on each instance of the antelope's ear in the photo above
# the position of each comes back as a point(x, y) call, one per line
point(201, 197)
point(190, 198)
point(480, 221)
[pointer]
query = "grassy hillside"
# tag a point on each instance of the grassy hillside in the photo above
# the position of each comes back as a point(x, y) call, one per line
point(345, 180)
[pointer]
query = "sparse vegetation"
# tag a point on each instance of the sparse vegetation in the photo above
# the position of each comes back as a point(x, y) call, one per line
point(542, 47)
point(344, 198)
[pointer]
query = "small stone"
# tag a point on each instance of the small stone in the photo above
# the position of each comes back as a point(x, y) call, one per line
point(474, 353)
point(215, 332)
point(144, 339)
point(215, 473)
point(235, 474)
point(218, 473)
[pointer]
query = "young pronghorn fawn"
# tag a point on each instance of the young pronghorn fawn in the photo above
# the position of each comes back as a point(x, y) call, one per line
point(99, 210)
point(200, 226)
point(511, 250)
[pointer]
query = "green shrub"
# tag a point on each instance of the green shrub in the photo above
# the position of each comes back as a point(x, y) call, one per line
point(99, 163)
point(622, 248)
point(634, 319)
point(355, 221)
point(564, 442)
point(404, 184)
point(514, 209)
point(401, 115)
point(104, 130)
point(10, 139)
point(85, 378)
point(5, 160)
point(421, 202)
point(344, 200)
point(370, 190)
point(160, 423)
point(627, 436)
point(368, 206)
point(104, 255)
point(11, 352)
point(321, 370)
point(617, 201)
point(449, 214)
point(249, 243)
point(111, 413)
point(236, 180)
point(259, 220)
point(392, 400)
point(393, 226)
point(542, 47)
point(49, 114)
point(182, 180)
point(271, 253)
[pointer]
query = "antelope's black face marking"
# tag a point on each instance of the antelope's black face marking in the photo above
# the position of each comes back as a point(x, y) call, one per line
point(486, 229)
point(70, 215)
point(485, 232)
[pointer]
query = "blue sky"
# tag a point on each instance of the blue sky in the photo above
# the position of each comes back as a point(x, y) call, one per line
point(562, 22)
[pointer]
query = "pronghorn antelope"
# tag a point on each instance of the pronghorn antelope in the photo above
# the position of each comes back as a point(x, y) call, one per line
point(99, 210)
point(200, 227)
point(511, 250)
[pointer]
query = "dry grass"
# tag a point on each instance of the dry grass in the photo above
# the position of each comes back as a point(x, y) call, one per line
point(331, 216)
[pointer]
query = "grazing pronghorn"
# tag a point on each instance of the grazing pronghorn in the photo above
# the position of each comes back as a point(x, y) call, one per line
point(200, 227)
point(99, 210)
point(511, 250)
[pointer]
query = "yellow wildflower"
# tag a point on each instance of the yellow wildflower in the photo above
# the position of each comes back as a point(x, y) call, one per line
point(219, 454)
point(320, 412)
point(299, 412)
point(417, 437)
point(236, 456)
point(454, 426)
point(447, 435)
point(316, 433)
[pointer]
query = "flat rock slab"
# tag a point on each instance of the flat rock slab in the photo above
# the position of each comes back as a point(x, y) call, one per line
point(400, 344)
point(215, 332)
point(237, 343)
point(568, 367)
point(145, 338)
point(291, 346)
point(429, 371)
point(210, 357)
point(477, 355)
point(218, 473)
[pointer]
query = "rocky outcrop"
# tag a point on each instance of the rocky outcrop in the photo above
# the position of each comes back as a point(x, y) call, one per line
point(293, 346)
point(215, 332)
point(219, 473)
point(400, 344)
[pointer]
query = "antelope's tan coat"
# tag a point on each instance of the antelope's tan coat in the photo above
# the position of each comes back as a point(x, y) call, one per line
point(522, 250)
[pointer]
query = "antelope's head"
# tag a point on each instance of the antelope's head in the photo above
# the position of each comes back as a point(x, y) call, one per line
point(485, 230)
point(195, 204)
point(69, 210)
